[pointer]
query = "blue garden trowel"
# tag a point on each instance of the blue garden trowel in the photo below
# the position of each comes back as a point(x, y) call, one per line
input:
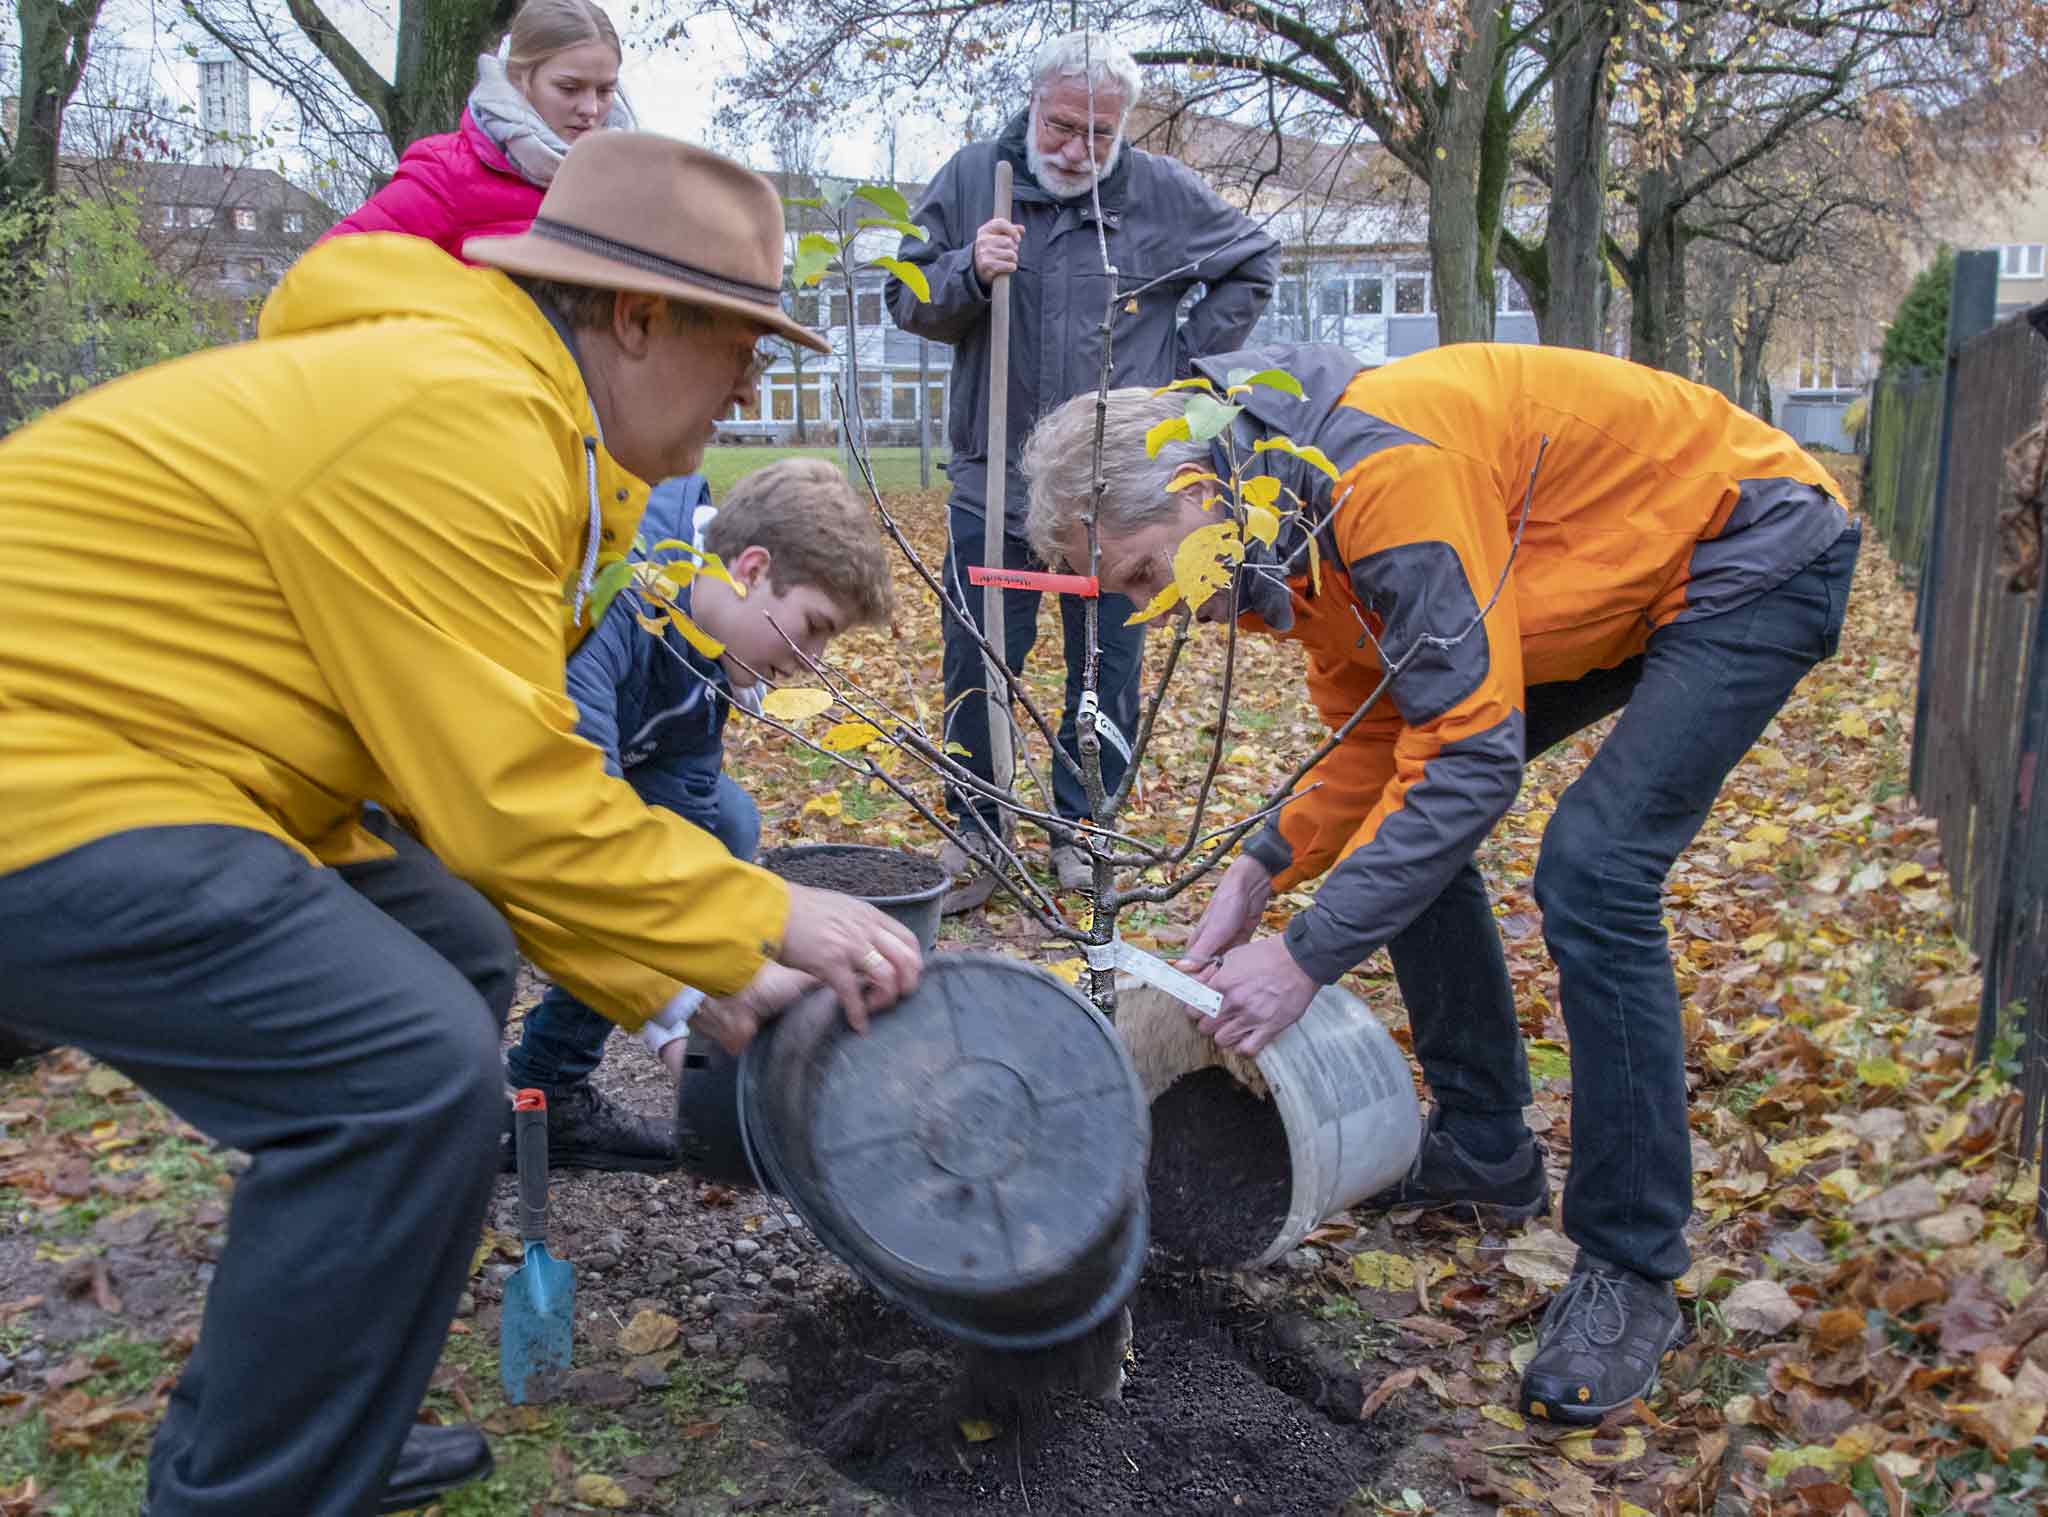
point(535, 1330)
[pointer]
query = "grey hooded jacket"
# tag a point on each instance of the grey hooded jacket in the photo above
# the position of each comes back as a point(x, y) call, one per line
point(1161, 221)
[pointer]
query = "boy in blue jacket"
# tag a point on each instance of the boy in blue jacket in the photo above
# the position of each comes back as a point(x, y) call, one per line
point(804, 547)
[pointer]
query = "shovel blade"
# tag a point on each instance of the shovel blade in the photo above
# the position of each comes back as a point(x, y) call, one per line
point(535, 1328)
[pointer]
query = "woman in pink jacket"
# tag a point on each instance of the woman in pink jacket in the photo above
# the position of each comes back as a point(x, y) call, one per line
point(555, 78)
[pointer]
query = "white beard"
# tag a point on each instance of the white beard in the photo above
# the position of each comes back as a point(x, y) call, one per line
point(1057, 181)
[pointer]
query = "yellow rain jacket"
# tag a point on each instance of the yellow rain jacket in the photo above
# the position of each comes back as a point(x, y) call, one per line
point(262, 585)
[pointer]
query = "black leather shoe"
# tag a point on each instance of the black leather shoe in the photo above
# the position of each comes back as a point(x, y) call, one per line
point(434, 1460)
point(1600, 1344)
point(586, 1130)
point(1444, 1175)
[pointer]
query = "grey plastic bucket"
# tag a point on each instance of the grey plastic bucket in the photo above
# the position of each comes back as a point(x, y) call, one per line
point(707, 1098)
point(978, 1157)
point(1340, 1082)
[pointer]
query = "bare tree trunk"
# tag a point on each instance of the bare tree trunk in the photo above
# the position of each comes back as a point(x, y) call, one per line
point(55, 38)
point(1753, 382)
point(1573, 238)
point(1460, 243)
point(1657, 277)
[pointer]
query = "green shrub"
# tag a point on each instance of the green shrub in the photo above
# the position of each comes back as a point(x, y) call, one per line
point(82, 301)
point(1918, 335)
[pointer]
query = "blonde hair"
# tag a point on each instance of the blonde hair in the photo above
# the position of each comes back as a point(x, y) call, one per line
point(816, 530)
point(543, 28)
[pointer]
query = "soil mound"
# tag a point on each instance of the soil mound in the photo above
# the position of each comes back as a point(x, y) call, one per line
point(1214, 1418)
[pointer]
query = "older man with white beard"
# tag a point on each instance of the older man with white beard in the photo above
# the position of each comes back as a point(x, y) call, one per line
point(1166, 233)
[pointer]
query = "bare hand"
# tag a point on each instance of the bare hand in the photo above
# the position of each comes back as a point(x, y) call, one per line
point(731, 1021)
point(1234, 913)
point(870, 960)
point(1264, 993)
point(995, 248)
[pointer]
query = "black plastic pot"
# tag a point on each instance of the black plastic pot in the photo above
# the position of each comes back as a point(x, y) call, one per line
point(978, 1157)
point(917, 909)
point(707, 1099)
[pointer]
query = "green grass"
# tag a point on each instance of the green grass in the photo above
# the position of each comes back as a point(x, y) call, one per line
point(895, 468)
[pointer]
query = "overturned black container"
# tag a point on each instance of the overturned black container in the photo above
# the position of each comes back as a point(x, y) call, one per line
point(978, 1157)
point(707, 1099)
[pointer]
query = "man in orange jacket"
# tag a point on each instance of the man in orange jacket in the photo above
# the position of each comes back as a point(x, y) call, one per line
point(1518, 542)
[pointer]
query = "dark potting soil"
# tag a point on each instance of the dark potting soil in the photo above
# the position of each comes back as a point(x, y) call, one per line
point(1214, 1418)
point(1220, 1179)
point(875, 873)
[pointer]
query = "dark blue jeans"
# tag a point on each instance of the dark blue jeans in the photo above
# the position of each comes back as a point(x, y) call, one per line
point(1116, 682)
point(341, 1027)
point(1691, 705)
point(562, 1039)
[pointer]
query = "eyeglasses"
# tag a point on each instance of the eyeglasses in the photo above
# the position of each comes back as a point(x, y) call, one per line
point(1095, 134)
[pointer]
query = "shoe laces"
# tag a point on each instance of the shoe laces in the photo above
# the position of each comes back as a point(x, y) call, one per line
point(1590, 1311)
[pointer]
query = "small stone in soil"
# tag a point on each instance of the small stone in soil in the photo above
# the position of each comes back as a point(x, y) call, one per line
point(1220, 1180)
point(872, 872)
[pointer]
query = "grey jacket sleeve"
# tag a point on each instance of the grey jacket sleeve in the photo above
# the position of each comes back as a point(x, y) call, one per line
point(959, 303)
point(1238, 262)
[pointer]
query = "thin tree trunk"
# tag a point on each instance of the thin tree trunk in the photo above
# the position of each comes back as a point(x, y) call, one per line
point(1657, 277)
point(1573, 243)
point(1460, 249)
point(1753, 383)
point(438, 43)
point(55, 39)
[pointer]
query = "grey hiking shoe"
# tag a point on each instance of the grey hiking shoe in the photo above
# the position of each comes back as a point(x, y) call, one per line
point(1600, 1344)
point(1445, 1175)
point(972, 885)
point(1072, 867)
point(586, 1130)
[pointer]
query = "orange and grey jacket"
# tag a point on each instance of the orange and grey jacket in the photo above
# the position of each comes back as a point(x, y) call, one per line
point(1655, 501)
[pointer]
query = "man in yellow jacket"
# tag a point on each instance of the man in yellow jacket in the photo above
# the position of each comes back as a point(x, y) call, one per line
point(252, 590)
point(1517, 543)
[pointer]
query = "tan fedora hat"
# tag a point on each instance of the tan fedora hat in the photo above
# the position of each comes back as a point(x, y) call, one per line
point(638, 211)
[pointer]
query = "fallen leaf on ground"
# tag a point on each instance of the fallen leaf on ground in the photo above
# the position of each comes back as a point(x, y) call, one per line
point(1760, 1306)
point(649, 1332)
point(603, 1491)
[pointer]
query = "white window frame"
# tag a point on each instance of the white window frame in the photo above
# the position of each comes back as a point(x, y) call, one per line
point(245, 219)
point(1428, 293)
point(2021, 260)
point(199, 215)
point(295, 221)
point(170, 216)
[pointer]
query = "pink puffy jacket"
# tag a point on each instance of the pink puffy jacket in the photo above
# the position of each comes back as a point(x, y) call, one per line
point(448, 189)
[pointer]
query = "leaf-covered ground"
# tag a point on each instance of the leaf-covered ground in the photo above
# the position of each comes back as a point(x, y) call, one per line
point(1871, 1330)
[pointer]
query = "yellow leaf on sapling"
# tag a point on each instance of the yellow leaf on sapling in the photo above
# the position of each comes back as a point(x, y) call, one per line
point(1205, 562)
point(1261, 524)
point(1159, 605)
point(1173, 429)
point(1262, 490)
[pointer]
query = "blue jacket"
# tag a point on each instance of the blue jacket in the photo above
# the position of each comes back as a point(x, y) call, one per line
point(639, 702)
